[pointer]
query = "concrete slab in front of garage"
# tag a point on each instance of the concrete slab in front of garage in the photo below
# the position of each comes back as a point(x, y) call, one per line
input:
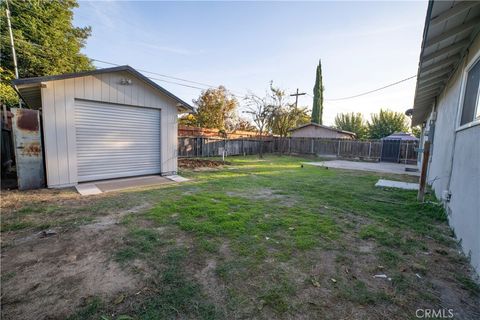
point(97, 187)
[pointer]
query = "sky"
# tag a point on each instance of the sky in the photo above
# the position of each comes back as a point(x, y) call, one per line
point(245, 45)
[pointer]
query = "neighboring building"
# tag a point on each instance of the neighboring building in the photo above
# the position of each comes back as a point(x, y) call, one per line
point(313, 130)
point(447, 106)
point(103, 124)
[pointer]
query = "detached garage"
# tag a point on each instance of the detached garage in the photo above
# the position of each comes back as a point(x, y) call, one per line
point(104, 124)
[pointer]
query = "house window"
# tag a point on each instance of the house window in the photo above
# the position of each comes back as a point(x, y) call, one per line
point(470, 109)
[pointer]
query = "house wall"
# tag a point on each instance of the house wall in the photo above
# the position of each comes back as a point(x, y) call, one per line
point(318, 132)
point(58, 101)
point(455, 164)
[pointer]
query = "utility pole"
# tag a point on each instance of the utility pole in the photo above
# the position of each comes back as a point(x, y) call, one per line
point(12, 43)
point(296, 97)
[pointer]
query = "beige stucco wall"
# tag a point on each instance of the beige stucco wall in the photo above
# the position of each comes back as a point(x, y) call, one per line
point(318, 132)
point(58, 102)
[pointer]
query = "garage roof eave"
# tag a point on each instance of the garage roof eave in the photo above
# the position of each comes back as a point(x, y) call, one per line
point(30, 94)
point(450, 28)
point(36, 82)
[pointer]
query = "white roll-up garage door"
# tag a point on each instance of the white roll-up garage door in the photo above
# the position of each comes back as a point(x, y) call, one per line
point(116, 141)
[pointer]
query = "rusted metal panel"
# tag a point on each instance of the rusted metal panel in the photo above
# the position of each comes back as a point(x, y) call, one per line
point(28, 148)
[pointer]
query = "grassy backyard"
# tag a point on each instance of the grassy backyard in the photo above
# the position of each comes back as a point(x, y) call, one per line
point(254, 239)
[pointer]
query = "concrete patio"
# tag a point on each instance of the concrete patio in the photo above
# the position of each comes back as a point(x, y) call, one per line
point(383, 167)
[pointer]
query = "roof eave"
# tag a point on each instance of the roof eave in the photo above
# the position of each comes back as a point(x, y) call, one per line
point(322, 126)
point(22, 83)
point(446, 48)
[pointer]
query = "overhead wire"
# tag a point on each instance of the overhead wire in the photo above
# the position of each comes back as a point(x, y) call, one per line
point(159, 74)
point(374, 90)
point(206, 85)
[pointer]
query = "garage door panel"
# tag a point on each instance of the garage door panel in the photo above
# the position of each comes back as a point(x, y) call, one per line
point(112, 144)
point(120, 122)
point(115, 169)
point(123, 165)
point(116, 140)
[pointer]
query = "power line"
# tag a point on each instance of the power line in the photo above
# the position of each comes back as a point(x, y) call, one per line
point(238, 95)
point(145, 71)
point(371, 91)
point(159, 74)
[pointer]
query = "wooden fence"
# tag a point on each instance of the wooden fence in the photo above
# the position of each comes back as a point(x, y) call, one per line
point(362, 150)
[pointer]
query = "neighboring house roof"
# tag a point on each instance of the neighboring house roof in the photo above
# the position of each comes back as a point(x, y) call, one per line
point(324, 127)
point(404, 136)
point(450, 28)
point(32, 96)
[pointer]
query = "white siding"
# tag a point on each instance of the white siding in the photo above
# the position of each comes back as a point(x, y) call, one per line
point(58, 99)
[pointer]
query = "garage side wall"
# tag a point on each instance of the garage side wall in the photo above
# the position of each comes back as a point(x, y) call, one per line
point(58, 103)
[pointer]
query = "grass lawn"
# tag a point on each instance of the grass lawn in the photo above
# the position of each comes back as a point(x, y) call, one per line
point(254, 239)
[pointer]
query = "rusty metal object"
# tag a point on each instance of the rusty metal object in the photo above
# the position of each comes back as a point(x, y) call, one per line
point(32, 149)
point(27, 120)
point(28, 148)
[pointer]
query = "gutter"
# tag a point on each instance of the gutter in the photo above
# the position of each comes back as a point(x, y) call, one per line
point(424, 41)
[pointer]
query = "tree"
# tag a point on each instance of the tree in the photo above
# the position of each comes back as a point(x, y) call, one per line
point(352, 122)
point(284, 116)
point(188, 120)
point(385, 123)
point(216, 108)
point(245, 125)
point(417, 131)
point(46, 42)
point(317, 110)
point(260, 110)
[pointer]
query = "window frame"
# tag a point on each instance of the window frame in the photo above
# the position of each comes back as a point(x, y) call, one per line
point(476, 120)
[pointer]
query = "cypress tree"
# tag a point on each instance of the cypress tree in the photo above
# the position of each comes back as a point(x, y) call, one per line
point(317, 111)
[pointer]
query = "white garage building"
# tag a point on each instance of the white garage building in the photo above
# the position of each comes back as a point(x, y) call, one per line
point(104, 124)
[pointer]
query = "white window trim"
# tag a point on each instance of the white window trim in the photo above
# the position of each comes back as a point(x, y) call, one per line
point(476, 121)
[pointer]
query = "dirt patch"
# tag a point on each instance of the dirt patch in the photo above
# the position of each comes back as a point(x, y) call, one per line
point(200, 163)
point(14, 199)
point(65, 270)
point(106, 222)
point(211, 285)
point(61, 272)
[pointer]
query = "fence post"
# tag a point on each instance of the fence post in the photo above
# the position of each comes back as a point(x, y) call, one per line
point(311, 145)
point(289, 145)
point(370, 150)
point(381, 151)
point(423, 173)
point(338, 149)
point(406, 153)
